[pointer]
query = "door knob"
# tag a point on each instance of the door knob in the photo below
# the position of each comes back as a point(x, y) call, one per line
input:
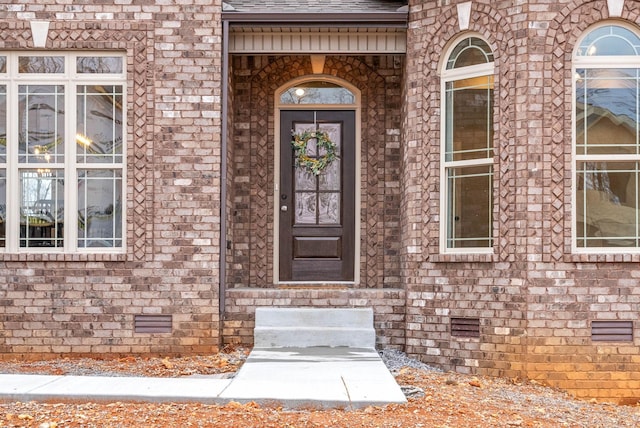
point(284, 208)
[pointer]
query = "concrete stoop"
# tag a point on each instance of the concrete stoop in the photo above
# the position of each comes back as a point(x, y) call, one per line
point(314, 327)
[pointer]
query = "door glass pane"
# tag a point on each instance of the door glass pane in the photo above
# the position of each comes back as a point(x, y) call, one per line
point(305, 180)
point(329, 211)
point(41, 208)
point(317, 92)
point(99, 124)
point(318, 197)
point(99, 208)
point(41, 123)
point(330, 179)
point(305, 207)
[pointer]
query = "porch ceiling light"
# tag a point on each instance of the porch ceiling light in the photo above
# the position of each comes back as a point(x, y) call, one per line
point(299, 92)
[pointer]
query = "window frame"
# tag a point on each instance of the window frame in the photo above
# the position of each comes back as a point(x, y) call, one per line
point(71, 166)
point(447, 76)
point(597, 62)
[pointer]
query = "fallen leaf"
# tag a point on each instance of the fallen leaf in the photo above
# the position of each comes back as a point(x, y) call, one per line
point(167, 364)
point(475, 382)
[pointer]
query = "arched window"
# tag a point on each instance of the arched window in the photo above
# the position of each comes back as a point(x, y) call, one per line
point(467, 148)
point(317, 92)
point(607, 139)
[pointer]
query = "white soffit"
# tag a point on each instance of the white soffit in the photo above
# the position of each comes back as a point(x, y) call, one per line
point(285, 40)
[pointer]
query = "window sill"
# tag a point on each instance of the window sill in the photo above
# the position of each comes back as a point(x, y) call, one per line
point(617, 257)
point(464, 258)
point(64, 257)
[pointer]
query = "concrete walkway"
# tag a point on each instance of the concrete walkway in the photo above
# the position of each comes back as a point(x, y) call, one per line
point(320, 377)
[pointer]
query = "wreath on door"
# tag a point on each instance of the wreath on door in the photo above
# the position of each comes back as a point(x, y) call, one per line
point(314, 165)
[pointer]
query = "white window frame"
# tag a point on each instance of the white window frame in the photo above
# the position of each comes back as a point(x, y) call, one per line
point(450, 75)
point(599, 62)
point(70, 79)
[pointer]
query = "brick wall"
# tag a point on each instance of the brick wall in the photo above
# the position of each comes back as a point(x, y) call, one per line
point(535, 301)
point(81, 304)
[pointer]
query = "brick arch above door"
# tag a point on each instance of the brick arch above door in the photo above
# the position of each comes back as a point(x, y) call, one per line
point(254, 83)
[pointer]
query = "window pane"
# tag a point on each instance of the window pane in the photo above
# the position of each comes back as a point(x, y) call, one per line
point(317, 93)
point(41, 123)
point(99, 208)
point(609, 40)
point(469, 119)
point(3, 207)
point(99, 124)
point(469, 222)
point(305, 204)
point(607, 204)
point(3, 123)
point(3, 64)
point(41, 64)
point(329, 209)
point(41, 208)
point(471, 51)
point(607, 111)
point(99, 64)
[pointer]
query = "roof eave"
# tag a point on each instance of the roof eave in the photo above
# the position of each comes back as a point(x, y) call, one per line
point(387, 19)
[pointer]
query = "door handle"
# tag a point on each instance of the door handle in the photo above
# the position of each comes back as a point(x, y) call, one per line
point(284, 208)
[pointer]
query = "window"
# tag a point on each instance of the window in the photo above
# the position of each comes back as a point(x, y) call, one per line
point(606, 140)
point(317, 92)
point(61, 152)
point(467, 152)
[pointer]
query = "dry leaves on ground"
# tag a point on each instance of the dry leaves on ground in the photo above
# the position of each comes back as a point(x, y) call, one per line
point(227, 361)
point(439, 400)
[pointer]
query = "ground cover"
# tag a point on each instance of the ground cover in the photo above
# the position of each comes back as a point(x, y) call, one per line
point(436, 399)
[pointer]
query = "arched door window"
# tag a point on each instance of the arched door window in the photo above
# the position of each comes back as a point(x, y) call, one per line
point(467, 148)
point(607, 139)
point(316, 92)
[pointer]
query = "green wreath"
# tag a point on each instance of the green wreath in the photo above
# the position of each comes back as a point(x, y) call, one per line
point(312, 164)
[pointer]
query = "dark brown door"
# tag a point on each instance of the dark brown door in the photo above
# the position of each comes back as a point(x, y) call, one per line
point(317, 213)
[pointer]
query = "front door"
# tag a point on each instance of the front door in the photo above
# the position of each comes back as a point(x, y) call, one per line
point(317, 212)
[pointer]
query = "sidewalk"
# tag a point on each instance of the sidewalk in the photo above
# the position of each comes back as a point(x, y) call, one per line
point(319, 377)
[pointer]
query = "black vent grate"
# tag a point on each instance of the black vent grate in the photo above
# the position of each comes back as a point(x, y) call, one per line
point(612, 331)
point(465, 327)
point(153, 323)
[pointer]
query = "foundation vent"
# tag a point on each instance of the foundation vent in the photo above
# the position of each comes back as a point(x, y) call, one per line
point(612, 331)
point(153, 323)
point(465, 327)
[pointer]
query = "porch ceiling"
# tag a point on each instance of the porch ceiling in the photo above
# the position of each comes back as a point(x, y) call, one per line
point(287, 40)
point(311, 27)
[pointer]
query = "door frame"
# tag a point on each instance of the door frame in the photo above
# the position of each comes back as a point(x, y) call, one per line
point(276, 175)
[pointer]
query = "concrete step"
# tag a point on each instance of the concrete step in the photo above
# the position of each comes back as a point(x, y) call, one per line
point(311, 327)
